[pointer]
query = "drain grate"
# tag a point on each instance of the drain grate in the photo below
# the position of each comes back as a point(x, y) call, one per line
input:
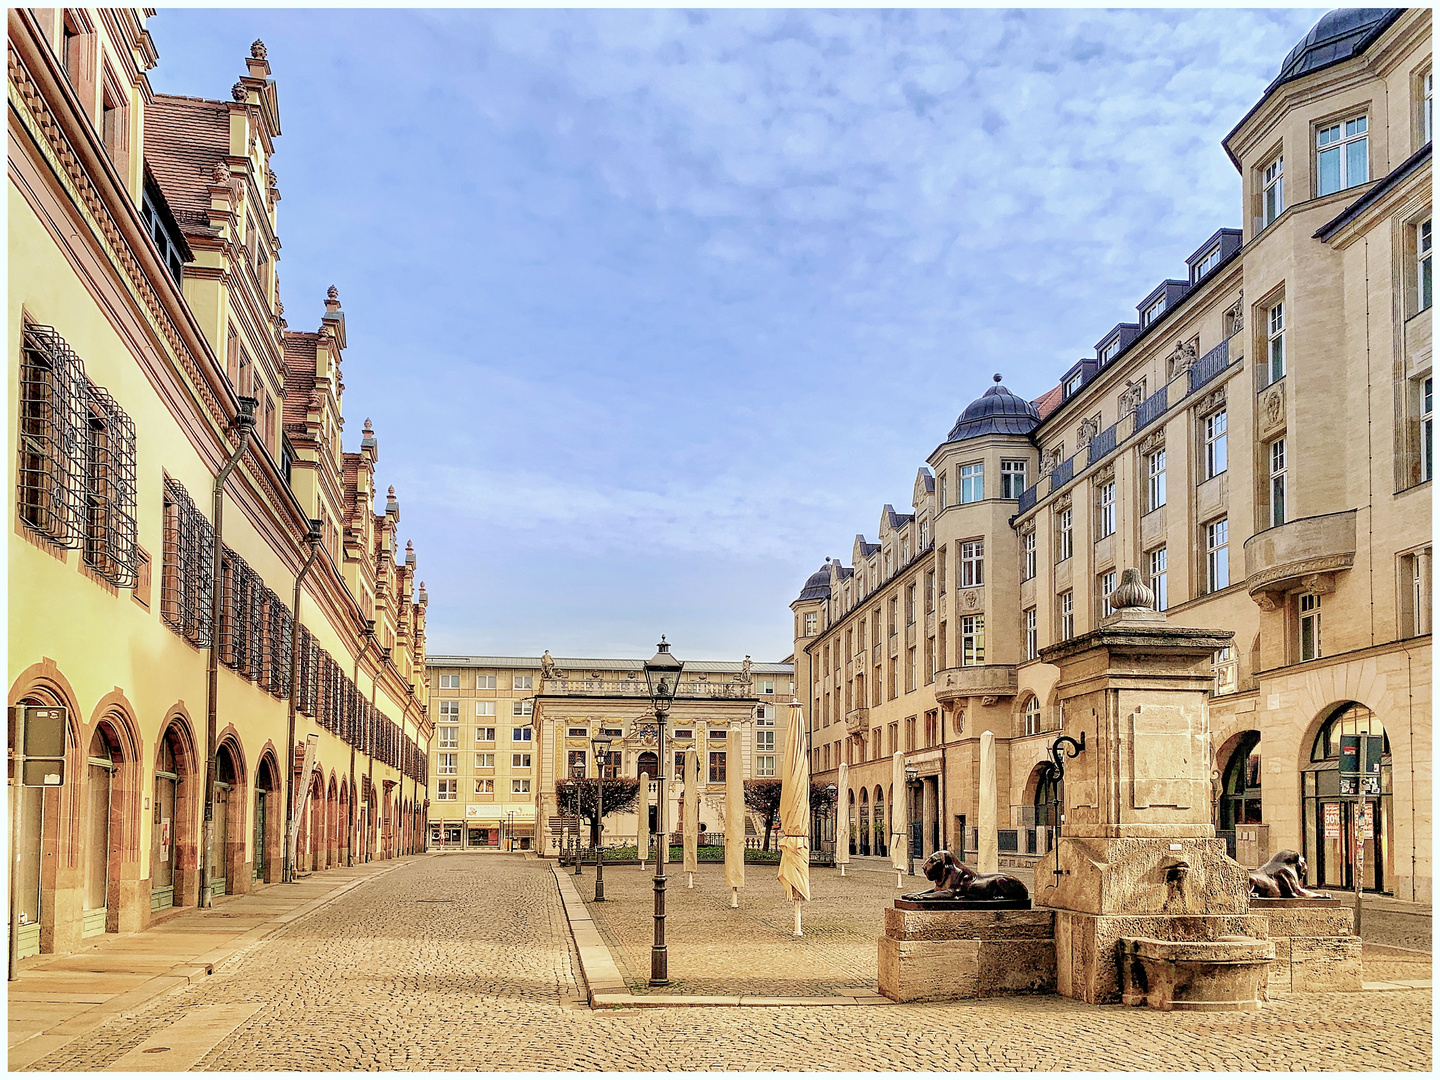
point(441, 900)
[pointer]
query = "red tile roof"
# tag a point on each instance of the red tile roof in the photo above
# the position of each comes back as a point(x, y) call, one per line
point(1048, 402)
point(184, 138)
point(299, 375)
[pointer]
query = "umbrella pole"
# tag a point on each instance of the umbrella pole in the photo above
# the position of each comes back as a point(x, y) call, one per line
point(734, 896)
point(690, 879)
point(798, 931)
point(899, 879)
point(842, 869)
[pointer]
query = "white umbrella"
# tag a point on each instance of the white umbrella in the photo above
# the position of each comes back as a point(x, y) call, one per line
point(899, 859)
point(842, 819)
point(691, 823)
point(734, 820)
point(642, 830)
point(795, 813)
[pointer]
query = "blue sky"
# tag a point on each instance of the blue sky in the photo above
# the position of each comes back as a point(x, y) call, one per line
point(654, 310)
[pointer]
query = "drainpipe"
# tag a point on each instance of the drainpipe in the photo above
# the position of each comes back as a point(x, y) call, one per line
point(372, 823)
point(312, 540)
point(244, 424)
point(366, 636)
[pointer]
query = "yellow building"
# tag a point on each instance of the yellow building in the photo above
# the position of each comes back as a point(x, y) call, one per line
point(149, 361)
point(1258, 442)
point(508, 727)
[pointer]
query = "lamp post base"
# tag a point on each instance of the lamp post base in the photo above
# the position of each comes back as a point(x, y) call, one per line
point(659, 956)
point(599, 878)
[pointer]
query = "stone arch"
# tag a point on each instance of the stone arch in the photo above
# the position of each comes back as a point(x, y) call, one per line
point(864, 821)
point(174, 849)
point(332, 822)
point(112, 733)
point(232, 799)
point(850, 809)
point(882, 833)
point(268, 833)
point(314, 821)
point(1331, 859)
point(346, 829)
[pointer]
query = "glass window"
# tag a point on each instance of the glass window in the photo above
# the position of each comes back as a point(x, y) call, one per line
point(765, 764)
point(1277, 483)
point(1155, 481)
point(765, 741)
point(446, 790)
point(972, 482)
point(522, 761)
point(1309, 605)
point(1427, 429)
point(1273, 188)
point(944, 482)
point(810, 623)
point(972, 640)
point(1032, 634)
point(1028, 547)
point(1012, 476)
point(521, 734)
point(484, 734)
point(449, 712)
point(1215, 444)
point(449, 737)
point(1067, 614)
point(485, 786)
point(1275, 332)
point(484, 761)
point(1032, 716)
point(1154, 311)
point(717, 766)
point(524, 682)
point(972, 563)
point(484, 708)
point(1066, 544)
point(484, 682)
point(1107, 586)
point(1423, 254)
point(1109, 350)
point(1427, 109)
point(1342, 156)
point(1105, 520)
point(445, 764)
point(522, 708)
point(1206, 264)
point(1158, 578)
point(449, 682)
point(1217, 554)
point(520, 786)
point(1226, 670)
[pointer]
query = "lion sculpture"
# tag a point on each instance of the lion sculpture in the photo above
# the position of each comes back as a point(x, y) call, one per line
point(1282, 878)
point(956, 881)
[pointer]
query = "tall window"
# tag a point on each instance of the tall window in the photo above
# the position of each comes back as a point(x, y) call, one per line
point(1012, 473)
point(972, 640)
point(1215, 444)
point(1107, 586)
point(1277, 483)
point(972, 482)
point(1159, 578)
point(1105, 518)
point(449, 737)
point(1066, 538)
point(1415, 593)
point(944, 481)
point(1423, 254)
point(910, 604)
point(972, 563)
point(1155, 481)
point(1427, 428)
point(1032, 634)
point(1217, 554)
point(1032, 716)
point(811, 619)
point(1273, 191)
point(446, 790)
point(717, 766)
point(445, 764)
point(1227, 671)
point(911, 670)
point(1275, 333)
point(1027, 545)
point(1427, 107)
point(1342, 156)
point(1067, 614)
point(1309, 626)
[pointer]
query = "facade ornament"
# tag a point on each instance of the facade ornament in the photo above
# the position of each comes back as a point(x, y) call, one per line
point(1132, 397)
point(745, 669)
point(1266, 601)
point(257, 49)
point(1183, 358)
point(971, 599)
point(547, 666)
point(1152, 442)
point(221, 173)
point(332, 293)
point(1062, 503)
point(1105, 474)
point(1321, 584)
point(238, 91)
point(1050, 459)
point(1132, 592)
point(1026, 527)
point(1274, 407)
point(1212, 401)
point(1089, 428)
point(988, 700)
point(1236, 314)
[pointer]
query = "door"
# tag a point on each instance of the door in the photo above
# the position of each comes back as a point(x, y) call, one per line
point(33, 823)
point(220, 851)
point(476, 837)
point(260, 803)
point(1337, 850)
point(98, 775)
point(162, 839)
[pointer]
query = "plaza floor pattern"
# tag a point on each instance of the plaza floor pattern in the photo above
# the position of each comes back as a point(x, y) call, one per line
point(464, 962)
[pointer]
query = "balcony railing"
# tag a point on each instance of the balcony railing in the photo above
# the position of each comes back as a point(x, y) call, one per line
point(1102, 444)
point(1152, 408)
point(1062, 474)
point(1210, 365)
point(637, 688)
point(1027, 498)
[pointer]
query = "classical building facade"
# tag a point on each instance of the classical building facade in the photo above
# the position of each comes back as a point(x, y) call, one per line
point(508, 727)
point(1258, 442)
point(166, 415)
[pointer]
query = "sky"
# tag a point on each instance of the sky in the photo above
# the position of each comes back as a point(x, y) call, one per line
point(654, 310)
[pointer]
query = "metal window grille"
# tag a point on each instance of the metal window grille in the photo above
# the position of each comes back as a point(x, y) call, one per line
point(279, 624)
point(52, 435)
point(109, 514)
point(305, 672)
point(241, 616)
point(186, 577)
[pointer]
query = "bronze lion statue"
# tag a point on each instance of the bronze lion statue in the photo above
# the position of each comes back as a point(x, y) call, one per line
point(1283, 877)
point(956, 881)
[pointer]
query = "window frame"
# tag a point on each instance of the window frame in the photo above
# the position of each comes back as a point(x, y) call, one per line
point(1109, 579)
point(1031, 622)
point(1065, 531)
point(1215, 433)
point(972, 564)
point(1275, 342)
point(1012, 477)
point(1154, 480)
point(972, 641)
point(1105, 506)
point(1275, 454)
point(972, 483)
point(1272, 190)
point(1217, 554)
point(1424, 256)
point(1307, 623)
point(1029, 561)
point(1340, 145)
point(1067, 614)
point(1158, 560)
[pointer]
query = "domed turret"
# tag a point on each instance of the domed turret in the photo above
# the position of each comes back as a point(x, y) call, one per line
point(995, 412)
point(1339, 35)
point(817, 585)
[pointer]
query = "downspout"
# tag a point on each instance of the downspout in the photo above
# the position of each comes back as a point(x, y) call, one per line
point(366, 636)
point(372, 803)
point(312, 539)
point(244, 424)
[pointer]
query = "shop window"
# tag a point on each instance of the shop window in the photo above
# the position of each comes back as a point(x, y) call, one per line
point(1330, 816)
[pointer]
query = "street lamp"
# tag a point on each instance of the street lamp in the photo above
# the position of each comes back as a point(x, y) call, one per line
point(662, 677)
point(912, 781)
point(601, 745)
point(834, 795)
point(577, 772)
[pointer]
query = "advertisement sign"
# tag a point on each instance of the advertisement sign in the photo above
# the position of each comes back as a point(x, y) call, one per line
point(165, 840)
point(1360, 764)
point(1365, 825)
point(1332, 821)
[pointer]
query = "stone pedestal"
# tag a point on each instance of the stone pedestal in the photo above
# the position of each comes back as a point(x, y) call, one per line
point(953, 955)
point(1316, 950)
point(1186, 976)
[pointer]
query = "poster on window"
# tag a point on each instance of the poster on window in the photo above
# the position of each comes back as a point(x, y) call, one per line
point(1332, 821)
point(165, 840)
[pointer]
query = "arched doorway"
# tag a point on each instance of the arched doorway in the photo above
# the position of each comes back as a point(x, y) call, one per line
point(1240, 789)
point(882, 837)
point(226, 779)
point(854, 832)
point(172, 844)
point(104, 823)
point(864, 821)
point(265, 843)
point(1330, 815)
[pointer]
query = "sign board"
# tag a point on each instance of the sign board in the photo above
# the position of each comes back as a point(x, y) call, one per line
point(43, 772)
point(1332, 821)
point(917, 839)
point(483, 810)
point(44, 731)
point(1360, 764)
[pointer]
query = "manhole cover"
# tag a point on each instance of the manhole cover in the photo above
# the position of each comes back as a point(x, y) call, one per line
point(157, 1050)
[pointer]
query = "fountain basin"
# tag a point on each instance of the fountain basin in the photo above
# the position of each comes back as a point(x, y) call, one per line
point(1223, 975)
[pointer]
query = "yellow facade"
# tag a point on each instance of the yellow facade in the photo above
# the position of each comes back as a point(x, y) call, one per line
point(157, 327)
point(1279, 396)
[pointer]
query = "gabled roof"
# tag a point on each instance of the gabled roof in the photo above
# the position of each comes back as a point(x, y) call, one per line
point(299, 375)
point(184, 140)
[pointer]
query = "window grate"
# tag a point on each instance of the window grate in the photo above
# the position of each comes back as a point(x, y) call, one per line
point(279, 625)
point(305, 671)
point(241, 615)
point(109, 540)
point(186, 577)
point(52, 436)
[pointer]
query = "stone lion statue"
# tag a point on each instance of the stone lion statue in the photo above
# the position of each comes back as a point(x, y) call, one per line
point(1282, 878)
point(956, 881)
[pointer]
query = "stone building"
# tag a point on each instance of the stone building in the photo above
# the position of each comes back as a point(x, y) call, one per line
point(1257, 440)
point(508, 727)
point(149, 352)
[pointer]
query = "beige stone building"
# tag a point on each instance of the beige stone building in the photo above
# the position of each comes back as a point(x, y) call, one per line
point(1258, 441)
point(508, 727)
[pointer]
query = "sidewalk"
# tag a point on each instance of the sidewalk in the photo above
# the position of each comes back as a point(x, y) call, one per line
point(56, 999)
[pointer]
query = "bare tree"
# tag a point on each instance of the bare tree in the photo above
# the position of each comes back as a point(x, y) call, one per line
point(577, 798)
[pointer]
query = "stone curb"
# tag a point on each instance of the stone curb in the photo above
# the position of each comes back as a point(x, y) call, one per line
point(607, 989)
point(43, 1043)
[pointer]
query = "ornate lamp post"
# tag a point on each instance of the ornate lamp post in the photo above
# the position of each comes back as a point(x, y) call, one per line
point(834, 793)
point(912, 782)
point(601, 745)
point(662, 677)
point(577, 772)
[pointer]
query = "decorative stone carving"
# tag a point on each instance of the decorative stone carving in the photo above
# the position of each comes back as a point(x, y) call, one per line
point(1267, 601)
point(1105, 475)
point(1027, 527)
point(257, 49)
point(1273, 408)
point(988, 700)
point(1062, 503)
point(956, 881)
point(547, 662)
point(1183, 358)
point(221, 173)
point(1132, 397)
point(1212, 401)
point(1132, 592)
point(1152, 442)
point(238, 91)
point(1050, 459)
point(332, 293)
point(970, 599)
point(1089, 428)
point(1235, 315)
point(1321, 584)
point(1282, 878)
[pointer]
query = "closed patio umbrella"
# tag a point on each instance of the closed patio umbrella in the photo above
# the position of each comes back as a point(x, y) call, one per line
point(795, 812)
point(899, 845)
point(690, 826)
point(734, 819)
point(642, 826)
point(842, 819)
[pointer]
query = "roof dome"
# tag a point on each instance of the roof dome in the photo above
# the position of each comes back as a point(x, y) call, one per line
point(995, 412)
point(817, 585)
point(1339, 35)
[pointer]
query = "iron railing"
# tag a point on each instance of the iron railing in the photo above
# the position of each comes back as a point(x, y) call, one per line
point(1102, 444)
point(1152, 408)
point(109, 544)
point(1210, 365)
point(1028, 497)
point(1062, 474)
point(186, 574)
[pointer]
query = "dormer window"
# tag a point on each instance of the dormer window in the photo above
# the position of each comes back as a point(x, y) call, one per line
point(164, 242)
point(1154, 311)
point(1072, 384)
point(1205, 265)
point(1110, 350)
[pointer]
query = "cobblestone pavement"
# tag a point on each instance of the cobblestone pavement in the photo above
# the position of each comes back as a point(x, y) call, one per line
point(463, 963)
